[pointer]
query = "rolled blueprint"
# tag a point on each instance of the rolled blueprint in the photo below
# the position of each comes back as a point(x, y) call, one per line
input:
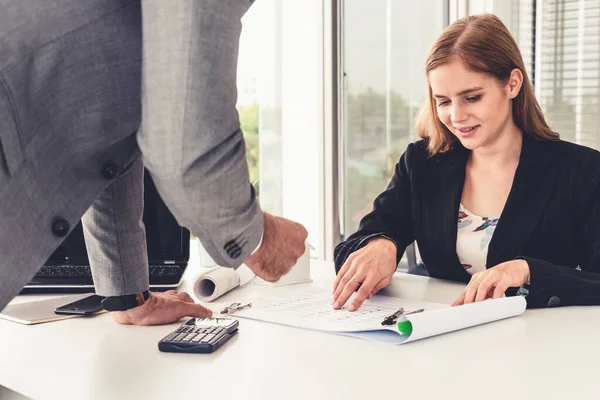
point(215, 283)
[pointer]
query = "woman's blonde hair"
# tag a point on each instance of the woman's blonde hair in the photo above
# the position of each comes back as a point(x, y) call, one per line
point(483, 44)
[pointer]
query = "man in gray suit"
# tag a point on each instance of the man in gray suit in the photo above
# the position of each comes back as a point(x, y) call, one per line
point(76, 79)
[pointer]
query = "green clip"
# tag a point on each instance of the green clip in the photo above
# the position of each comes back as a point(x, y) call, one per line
point(405, 327)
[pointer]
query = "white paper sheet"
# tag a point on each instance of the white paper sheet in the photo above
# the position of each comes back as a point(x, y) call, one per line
point(311, 309)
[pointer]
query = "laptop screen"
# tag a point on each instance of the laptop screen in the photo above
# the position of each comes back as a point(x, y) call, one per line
point(166, 240)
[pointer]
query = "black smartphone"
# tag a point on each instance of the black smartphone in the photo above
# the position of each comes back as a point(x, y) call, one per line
point(86, 306)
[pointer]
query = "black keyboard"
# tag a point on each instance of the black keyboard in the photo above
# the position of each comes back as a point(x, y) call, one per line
point(82, 275)
point(64, 270)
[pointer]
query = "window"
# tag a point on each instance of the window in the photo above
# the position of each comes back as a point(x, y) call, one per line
point(521, 24)
point(568, 78)
point(518, 16)
point(560, 44)
point(384, 44)
point(280, 93)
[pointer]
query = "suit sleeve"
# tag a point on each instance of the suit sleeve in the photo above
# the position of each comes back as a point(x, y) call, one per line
point(391, 216)
point(190, 135)
point(115, 237)
point(554, 285)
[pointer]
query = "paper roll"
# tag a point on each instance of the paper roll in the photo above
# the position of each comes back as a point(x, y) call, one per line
point(215, 283)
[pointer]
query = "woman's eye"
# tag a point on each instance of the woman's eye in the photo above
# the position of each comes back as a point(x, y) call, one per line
point(473, 99)
point(442, 103)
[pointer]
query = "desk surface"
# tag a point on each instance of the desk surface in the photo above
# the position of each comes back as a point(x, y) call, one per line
point(543, 354)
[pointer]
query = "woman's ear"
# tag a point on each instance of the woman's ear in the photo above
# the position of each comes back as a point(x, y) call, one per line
point(515, 81)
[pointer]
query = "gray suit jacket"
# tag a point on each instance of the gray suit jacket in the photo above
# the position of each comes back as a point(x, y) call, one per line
point(71, 100)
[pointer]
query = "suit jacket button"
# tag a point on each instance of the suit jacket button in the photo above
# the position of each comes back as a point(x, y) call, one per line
point(229, 245)
point(233, 249)
point(236, 252)
point(554, 301)
point(110, 171)
point(60, 227)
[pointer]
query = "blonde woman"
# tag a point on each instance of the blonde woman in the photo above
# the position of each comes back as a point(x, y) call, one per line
point(490, 193)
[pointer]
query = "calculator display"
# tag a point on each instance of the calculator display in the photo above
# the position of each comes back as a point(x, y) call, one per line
point(214, 321)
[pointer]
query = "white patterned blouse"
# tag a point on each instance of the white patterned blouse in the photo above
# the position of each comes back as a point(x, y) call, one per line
point(473, 238)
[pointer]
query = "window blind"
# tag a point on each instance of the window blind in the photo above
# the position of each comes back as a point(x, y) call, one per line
point(568, 85)
point(522, 26)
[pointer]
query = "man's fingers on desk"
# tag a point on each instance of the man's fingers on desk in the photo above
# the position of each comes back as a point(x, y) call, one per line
point(194, 310)
point(185, 297)
point(162, 308)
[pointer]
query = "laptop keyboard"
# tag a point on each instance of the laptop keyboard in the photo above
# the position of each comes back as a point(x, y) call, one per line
point(64, 270)
point(82, 275)
point(165, 270)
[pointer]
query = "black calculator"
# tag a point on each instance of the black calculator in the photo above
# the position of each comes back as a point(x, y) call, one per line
point(199, 335)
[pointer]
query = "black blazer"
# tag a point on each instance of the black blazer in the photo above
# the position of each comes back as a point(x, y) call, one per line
point(551, 218)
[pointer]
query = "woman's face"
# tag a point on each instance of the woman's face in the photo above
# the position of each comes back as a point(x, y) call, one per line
point(474, 106)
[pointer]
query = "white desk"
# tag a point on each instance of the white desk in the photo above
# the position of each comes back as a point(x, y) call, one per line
point(543, 354)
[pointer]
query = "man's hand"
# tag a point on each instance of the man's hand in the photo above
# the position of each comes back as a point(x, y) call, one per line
point(372, 267)
point(493, 282)
point(282, 245)
point(162, 308)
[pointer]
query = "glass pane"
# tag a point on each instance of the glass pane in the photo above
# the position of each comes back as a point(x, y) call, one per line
point(518, 16)
point(280, 91)
point(280, 102)
point(384, 46)
point(569, 84)
point(521, 26)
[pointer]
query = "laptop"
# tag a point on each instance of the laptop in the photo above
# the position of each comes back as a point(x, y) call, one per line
point(68, 268)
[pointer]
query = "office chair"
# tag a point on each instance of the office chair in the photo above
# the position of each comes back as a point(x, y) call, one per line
point(414, 267)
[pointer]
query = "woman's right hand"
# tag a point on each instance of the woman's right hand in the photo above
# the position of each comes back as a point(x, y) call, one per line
point(372, 266)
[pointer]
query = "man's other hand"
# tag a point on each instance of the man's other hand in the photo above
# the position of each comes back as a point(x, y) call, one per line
point(162, 308)
point(282, 245)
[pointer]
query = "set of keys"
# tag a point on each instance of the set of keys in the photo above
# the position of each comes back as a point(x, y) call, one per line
point(233, 307)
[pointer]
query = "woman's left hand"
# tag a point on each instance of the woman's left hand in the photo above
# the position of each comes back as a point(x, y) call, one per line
point(493, 282)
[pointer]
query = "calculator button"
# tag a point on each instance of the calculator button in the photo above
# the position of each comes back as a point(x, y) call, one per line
point(218, 337)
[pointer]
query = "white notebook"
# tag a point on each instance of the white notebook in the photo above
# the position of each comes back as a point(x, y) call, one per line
point(37, 312)
point(311, 308)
